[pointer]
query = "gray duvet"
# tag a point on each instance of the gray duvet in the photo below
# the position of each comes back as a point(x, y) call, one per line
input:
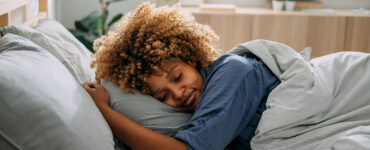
point(320, 104)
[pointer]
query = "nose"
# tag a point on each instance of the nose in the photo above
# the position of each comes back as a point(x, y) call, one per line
point(177, 92)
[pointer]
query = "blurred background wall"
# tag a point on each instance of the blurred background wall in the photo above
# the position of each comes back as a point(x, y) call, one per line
point(67, 11)
point(339, 4)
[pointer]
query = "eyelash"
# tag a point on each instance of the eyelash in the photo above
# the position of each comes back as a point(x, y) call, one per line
point(163, 98)
point(178, 77)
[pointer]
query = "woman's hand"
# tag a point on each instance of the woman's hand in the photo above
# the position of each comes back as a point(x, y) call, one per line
point(98, 94)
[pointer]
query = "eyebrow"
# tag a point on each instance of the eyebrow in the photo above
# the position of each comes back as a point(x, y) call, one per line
point(167, 76)
point(170, 72)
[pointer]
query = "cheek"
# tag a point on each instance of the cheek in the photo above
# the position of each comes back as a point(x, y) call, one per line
point(170, 102)
point(199, 81)
point(154, 82)
point(199, 94)
point(194, 81)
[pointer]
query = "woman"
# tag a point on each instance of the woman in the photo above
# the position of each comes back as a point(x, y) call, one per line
point(165, 53)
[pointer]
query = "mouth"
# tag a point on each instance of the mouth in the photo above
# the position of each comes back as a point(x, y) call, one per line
point(188, 102)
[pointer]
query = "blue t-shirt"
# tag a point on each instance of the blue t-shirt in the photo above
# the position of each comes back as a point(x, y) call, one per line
point(233, 99)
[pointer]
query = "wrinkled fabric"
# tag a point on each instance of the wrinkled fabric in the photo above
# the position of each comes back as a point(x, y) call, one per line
point(319, 105)
point(233, 99)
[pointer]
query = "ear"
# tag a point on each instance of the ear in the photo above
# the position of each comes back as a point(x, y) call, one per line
point(193, 64)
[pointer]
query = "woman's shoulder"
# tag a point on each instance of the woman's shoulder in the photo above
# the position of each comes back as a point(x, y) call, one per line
point(235, 62)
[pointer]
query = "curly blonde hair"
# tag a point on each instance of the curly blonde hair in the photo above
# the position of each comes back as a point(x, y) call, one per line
point(148, 37)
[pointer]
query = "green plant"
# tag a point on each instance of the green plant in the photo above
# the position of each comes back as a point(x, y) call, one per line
point(94, 25)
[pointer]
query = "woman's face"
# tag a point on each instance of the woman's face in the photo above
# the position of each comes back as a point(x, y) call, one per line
point(178, 85)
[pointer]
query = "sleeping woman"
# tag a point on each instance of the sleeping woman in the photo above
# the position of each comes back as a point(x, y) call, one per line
point(163, 52)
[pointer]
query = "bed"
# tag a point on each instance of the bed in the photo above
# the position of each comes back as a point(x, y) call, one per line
point(44, 106)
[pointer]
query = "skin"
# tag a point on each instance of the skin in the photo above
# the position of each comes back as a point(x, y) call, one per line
point(179, 87)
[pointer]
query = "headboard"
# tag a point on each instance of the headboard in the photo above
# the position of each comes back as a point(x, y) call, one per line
point(26, 12)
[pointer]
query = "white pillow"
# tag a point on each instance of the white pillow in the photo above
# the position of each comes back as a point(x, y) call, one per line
point(42, 106)
point(55, 38)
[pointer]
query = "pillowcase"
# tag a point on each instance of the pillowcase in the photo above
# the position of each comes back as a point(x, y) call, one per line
point(146, 110)
point(42, 106)
point(55, 38)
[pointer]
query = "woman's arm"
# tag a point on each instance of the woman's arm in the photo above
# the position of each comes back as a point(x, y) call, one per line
point(132, 134)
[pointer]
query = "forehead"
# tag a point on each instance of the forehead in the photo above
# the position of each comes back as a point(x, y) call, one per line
point(162, 72)
point(167, 66)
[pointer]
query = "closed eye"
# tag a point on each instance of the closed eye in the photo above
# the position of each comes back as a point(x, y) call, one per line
point(178, 77)
point(163, 97)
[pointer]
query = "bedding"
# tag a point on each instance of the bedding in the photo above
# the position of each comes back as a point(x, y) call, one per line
point(56, 39)
point(295, 119)
point(42, 105)
point(320, 104)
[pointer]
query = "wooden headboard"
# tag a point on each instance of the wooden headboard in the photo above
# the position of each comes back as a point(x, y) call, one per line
point(15, 12)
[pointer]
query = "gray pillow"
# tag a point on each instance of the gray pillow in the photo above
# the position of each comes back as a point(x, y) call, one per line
point(56, 39)
point(42, 106)
point(146, 110)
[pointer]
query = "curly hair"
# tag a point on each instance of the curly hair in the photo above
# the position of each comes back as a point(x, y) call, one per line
point(147, 38)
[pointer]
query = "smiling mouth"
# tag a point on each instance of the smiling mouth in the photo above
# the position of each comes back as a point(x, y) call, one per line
point(188, 102)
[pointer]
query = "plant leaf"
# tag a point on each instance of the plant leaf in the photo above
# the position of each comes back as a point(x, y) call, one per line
point(90, 22)
point(101, 20)
point(105, 15)
point(80, 27)
point(84, 38)
point(115, 19)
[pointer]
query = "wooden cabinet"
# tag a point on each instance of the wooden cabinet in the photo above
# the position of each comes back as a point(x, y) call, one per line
point(232, 29)
point(290, 30)
point(357, 34)
point(325, 33)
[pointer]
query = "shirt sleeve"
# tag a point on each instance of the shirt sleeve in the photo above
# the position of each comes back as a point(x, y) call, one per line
point(231, 96)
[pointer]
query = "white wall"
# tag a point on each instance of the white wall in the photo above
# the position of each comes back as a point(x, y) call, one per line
point(52, 9)
point(249, 3)
point(67, 11)
point(338, 4)
point(347, 4)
